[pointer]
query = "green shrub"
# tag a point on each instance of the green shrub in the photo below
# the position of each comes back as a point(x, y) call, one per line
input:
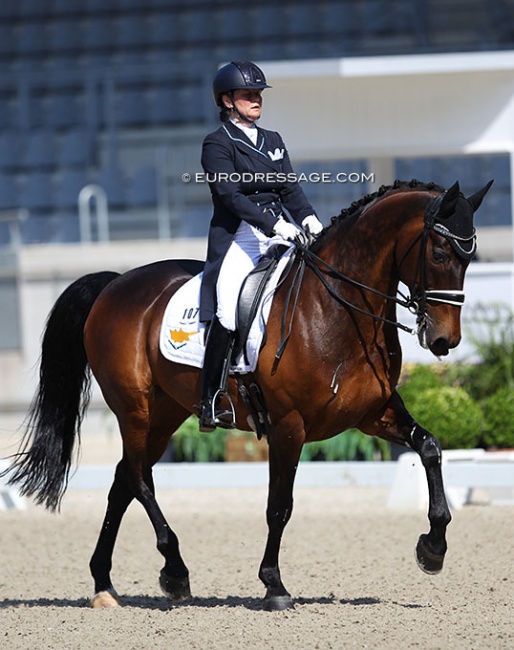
point(190, 444)
point(350, 445)
point(490, 329)
point(415, 379)
point(499, 419)
point(450, 413)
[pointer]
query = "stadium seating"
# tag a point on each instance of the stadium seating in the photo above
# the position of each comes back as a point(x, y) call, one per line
point(37, 192)
point(41, 151)
point(79, 78)
point(8, 192)
point(68, 187)
point(112, 180)
point(10, 151)
point(76, 149)
point(143, 189)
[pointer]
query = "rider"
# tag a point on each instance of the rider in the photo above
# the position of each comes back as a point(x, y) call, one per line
point(251, 182)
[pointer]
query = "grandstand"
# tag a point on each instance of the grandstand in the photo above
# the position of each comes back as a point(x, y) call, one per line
point(114, 96)
point(117, 94)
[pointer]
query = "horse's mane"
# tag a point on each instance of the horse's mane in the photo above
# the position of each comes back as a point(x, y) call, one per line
point(357, 206)
point(354, 210)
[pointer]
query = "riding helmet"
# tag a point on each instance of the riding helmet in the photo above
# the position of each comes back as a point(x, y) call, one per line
point(235, 75)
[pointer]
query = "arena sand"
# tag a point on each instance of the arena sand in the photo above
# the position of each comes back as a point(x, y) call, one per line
point(347, 560)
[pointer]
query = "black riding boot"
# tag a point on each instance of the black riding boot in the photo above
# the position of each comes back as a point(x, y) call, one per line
point(216, 363)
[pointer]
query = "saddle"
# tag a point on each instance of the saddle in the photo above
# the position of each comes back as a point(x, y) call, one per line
point(251, 294)
point(250, 297)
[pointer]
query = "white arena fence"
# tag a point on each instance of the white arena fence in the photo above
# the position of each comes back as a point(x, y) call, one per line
point(464, 471)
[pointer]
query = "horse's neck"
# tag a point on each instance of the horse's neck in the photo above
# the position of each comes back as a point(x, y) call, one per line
point(362, 254)
point(364, 247)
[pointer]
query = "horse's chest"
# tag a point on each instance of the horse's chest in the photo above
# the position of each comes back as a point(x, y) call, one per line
point(367, 385)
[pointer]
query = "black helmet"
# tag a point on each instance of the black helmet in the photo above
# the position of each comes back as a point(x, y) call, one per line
point(234, 75)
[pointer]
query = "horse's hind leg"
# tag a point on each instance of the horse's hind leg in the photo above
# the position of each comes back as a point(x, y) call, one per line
point(144, 444)
point(165, 417)
point(120, 497)
point(174, 577)
point(284, 457)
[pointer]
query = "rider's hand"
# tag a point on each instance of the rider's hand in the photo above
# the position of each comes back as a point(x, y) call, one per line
point(312, 225)
point(288, 231)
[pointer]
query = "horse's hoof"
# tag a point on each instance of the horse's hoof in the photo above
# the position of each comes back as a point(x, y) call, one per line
point(176, 589)
point(277, 603)
point(427, 561)
point(104, 599)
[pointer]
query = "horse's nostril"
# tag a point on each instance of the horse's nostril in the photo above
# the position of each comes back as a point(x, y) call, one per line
point(440, 347)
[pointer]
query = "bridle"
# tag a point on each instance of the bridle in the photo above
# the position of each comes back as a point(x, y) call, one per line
point(416, 303)
point(420, 294)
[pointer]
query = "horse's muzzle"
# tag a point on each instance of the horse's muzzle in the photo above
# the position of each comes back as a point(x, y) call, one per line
point(440, 344)
point(440, 347)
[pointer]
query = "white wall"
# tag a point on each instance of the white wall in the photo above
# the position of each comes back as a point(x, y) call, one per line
point(393, 106)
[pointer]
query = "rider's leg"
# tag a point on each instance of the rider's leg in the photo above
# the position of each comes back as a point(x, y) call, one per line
point(218, 349)
point(245, 251)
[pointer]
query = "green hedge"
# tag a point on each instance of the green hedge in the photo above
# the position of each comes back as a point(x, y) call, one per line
point(451, 414)
point(499, 419)
point(190, 445)
point(469, 403)
point(350, 445)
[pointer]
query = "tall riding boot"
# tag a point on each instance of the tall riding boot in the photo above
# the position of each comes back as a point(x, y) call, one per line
point(216, 363)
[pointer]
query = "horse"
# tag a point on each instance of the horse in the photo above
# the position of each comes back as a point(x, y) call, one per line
point(339, 366)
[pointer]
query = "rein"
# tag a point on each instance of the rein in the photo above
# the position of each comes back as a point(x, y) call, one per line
point(314, 262)
point(416, 303)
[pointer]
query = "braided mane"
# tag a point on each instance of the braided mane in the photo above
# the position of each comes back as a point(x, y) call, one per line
point(358, 205)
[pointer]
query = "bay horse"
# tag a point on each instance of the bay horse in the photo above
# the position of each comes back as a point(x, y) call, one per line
point(339, 369)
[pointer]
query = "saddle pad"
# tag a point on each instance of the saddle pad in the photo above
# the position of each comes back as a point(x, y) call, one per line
point(182, 334)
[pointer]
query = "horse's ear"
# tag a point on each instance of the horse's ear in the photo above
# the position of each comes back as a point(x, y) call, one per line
point(476, 199)
point(450, 198)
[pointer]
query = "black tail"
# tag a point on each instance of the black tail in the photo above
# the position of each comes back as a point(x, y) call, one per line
point(41, 467)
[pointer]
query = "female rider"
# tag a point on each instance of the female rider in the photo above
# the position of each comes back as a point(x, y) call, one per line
point(251, 182)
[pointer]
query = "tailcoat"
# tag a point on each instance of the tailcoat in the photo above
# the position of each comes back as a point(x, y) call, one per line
point(248, 182)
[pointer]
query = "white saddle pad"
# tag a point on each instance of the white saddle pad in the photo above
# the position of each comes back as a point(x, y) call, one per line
point(182, 334)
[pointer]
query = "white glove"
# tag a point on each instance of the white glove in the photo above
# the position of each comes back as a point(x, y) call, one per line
point(312, 225)
point(288, 231)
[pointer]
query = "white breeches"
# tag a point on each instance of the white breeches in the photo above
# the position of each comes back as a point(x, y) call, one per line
point(247, 247)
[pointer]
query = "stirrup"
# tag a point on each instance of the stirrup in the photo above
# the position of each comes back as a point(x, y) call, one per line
point(211, 417)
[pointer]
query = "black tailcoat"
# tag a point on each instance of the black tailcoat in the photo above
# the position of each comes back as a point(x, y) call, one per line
point(246, 196)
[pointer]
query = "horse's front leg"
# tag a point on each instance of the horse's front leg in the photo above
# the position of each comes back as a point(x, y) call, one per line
point(397, 425)
point(284, 455)
point(431, 548)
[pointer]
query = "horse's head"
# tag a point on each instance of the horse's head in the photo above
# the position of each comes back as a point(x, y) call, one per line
point(434, 270)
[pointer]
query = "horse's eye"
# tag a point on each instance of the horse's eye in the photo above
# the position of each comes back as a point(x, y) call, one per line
point(439, 255)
